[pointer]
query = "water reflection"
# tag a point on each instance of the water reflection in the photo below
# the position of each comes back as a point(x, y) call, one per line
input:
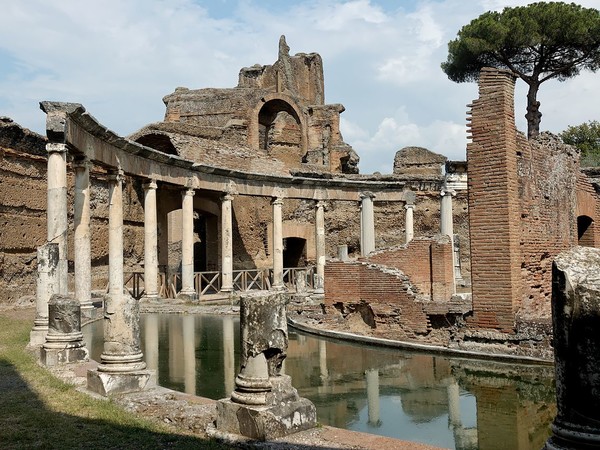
point(447, 402)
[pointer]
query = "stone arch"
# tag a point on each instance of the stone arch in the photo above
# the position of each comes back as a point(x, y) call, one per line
point(585, 231)
point(266, 112)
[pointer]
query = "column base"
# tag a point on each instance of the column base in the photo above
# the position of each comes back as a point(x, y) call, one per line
point(112, 383)
point(150, 297)
point(37, 336)
point(69, 353)
point(188, 296)
point(285, 413)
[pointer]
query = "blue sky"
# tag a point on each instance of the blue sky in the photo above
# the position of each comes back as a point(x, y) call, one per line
point(381, 61)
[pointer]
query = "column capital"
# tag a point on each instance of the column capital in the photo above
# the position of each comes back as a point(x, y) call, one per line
point(81, 163)
point(277, 201)
point(367, 194)
point(409, 206)
point(150, 184)
point(447, 191)
point(188, 192)
point(320, 204)
point(227, 197)
point(116, 175)
point(54, 147)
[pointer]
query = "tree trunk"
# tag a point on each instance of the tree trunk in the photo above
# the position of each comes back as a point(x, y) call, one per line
point(533, 116)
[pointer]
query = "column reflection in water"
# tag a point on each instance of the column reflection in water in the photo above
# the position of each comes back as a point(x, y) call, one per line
point(150, 322)
point(372, 376)
point(189, 354)
point(444, 402)
point(228, 355)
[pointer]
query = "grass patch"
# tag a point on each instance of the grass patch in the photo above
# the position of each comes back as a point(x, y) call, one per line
point(38, 410)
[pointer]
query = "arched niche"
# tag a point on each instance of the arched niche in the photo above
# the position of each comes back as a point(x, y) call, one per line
point(585, 231)
point(277, 116)
point(158, 141)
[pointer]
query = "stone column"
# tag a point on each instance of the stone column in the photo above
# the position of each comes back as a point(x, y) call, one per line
point(57, 208)
point(409, 223)
point(81, 225)
point(576, 321)
point(226, 244)
point(320, 245)
point(121, 367)
point(47, 285)
point(150, 241)
point(187, 245)
point(446, 224)
point(367, 223)
point(277, 203)
point(372, 376)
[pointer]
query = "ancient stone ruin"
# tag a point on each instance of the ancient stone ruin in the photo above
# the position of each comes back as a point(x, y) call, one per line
point(264, 404)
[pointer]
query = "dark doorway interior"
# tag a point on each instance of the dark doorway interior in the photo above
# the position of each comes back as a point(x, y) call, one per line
point(585, 231)
point(294, 252)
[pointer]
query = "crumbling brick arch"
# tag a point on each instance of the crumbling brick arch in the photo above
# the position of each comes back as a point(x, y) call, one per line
point(158, 141)
point(265, 112)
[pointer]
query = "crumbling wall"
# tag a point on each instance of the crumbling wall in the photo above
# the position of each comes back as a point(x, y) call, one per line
point(23, 200)
point(426, 261)
point(385, 292)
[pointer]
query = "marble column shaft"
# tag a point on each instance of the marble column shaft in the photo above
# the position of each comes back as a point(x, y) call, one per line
point(320, 244)
point(226, 244)
point(277, 243)
point(409, 223)
point(122, 351)
point(150, 241)
point(82, 244)
point(187, 243)
point(57, 208)
point(367, 223)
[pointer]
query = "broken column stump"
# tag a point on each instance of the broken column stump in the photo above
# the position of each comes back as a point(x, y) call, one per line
point(264, 404)
point(64, 341)
point(576, 322)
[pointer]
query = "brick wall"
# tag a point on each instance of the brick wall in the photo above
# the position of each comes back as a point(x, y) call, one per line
point(494, 205)
point(386, 290)
point(426, 261)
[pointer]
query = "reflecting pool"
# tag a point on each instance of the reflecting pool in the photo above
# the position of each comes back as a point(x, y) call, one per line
point(448, 402)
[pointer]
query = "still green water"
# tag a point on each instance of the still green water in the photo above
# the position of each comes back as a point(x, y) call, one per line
point(447, 402)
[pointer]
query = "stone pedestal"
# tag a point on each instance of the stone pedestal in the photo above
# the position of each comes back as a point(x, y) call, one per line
point(283, 413)
point(64, 341)
point(264, 405)
point(576, 321)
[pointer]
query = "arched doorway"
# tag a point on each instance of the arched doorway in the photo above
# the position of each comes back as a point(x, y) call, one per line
point(585, 231)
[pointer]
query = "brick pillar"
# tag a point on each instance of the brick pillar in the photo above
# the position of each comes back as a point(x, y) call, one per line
point(494, 205)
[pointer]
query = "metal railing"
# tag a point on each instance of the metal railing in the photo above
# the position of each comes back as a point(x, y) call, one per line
point(207, 283)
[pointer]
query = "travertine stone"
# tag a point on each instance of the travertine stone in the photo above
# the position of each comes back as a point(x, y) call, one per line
point(150, 241)
point(277, 244)
point(64, 341)
point(47, 285)
point(343, 252)
point(576, 321)
point(367, 223)
point(82, 244)
point(264, 404)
